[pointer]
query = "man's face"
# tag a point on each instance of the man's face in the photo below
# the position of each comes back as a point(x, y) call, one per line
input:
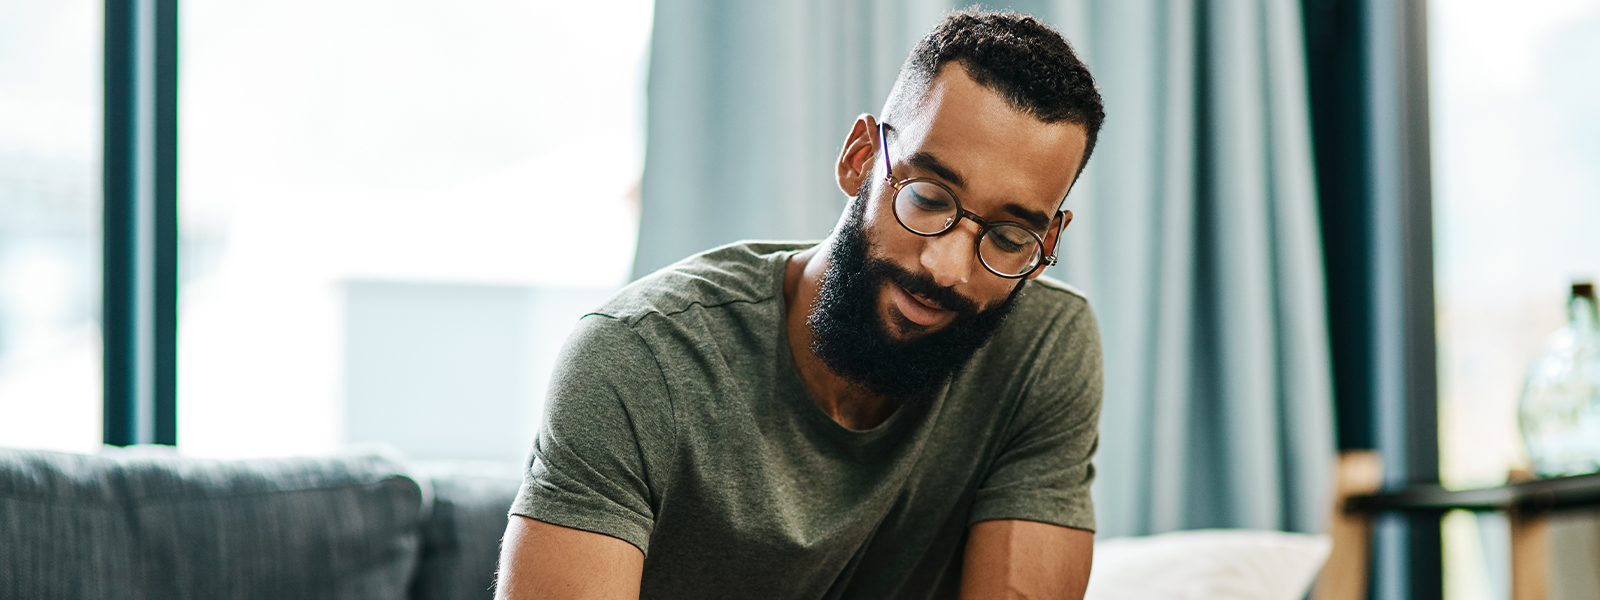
point(901, 312)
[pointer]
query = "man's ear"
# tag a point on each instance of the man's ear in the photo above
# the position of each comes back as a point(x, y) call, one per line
point(1052, 238)
point(855, 160)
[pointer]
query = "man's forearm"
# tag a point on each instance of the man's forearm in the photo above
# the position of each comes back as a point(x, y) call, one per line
point(1024, 559)
point(549, 562)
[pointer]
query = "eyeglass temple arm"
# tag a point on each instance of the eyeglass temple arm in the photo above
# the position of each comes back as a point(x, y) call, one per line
point(883, 149)
point(1050, 261)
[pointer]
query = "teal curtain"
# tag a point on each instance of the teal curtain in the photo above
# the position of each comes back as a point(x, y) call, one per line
point(749, 103)
point(1196, 238)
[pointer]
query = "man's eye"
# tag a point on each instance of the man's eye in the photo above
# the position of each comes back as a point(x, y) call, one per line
point(1010, 241)
point(928, 204)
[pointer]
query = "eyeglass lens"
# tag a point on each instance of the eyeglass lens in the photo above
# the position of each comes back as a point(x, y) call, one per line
point(1007, 249)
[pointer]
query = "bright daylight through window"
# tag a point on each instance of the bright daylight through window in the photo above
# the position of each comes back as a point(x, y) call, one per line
point(50, 83)
point(1517, 215)
point(392, 213)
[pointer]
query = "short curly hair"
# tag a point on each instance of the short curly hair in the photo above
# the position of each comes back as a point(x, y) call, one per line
point(1027, 62)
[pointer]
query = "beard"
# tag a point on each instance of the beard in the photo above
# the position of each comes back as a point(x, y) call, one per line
point(850, 337)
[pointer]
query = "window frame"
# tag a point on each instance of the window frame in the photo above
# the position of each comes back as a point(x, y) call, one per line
point(140, 219)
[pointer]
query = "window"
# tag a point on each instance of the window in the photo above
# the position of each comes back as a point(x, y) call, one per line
point(1517, 216)
point(50, 82)
point(391, 215)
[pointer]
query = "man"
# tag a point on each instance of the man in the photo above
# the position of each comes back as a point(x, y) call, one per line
point(904, 410)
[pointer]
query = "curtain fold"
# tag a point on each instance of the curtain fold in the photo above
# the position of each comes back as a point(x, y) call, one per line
point(1195, 239)
point(749, 104)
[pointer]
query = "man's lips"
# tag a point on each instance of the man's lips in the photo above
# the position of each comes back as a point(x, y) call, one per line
point(917, 310)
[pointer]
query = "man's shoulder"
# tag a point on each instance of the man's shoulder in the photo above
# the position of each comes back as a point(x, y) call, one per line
point(1065, 290)
point(742, 272)
point(1049, 317)
point(1047, 297)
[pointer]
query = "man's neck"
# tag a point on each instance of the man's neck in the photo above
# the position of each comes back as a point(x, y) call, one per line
point(847, 404)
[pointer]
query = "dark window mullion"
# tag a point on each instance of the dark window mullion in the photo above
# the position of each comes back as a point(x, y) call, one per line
point(119, 177)
point(139, 245)
point(165, 360)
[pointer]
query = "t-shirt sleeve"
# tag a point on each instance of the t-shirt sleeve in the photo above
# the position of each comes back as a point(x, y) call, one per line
point(607, 424)
point(1043, 470)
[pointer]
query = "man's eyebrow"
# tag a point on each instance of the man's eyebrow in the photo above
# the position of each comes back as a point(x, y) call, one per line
point(929, 162)
point(1035, 219)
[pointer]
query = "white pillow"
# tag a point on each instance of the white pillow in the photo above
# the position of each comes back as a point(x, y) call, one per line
point(1232, 564)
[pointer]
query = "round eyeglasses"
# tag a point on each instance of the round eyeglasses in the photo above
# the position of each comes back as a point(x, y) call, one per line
point(928, 208)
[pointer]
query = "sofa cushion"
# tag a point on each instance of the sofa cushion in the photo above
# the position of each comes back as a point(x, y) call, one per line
point(64, 531)
point(461, 539)
point(96, 527)
point(1207, 564)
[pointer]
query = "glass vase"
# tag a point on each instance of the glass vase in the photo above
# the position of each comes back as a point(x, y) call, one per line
point(1560, 409)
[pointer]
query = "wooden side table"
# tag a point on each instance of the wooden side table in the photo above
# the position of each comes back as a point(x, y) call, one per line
point(1528, 504)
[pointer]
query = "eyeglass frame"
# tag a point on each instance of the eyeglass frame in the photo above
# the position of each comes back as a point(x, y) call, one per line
point(961, 213)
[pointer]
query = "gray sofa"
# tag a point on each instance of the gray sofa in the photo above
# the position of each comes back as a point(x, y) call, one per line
point(367, 527)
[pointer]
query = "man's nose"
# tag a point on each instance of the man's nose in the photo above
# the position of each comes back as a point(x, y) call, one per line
point(949, 257)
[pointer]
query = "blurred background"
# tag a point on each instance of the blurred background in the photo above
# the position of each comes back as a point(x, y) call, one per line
point(391, 214)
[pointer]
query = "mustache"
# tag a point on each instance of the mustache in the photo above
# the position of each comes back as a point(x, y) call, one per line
point(924, 286)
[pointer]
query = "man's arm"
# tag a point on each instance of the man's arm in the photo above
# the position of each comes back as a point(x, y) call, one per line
point(1026, 559)
point(544, 561)
point(581, 522)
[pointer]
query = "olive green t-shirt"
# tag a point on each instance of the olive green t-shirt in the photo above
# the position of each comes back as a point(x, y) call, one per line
point(676, 421)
